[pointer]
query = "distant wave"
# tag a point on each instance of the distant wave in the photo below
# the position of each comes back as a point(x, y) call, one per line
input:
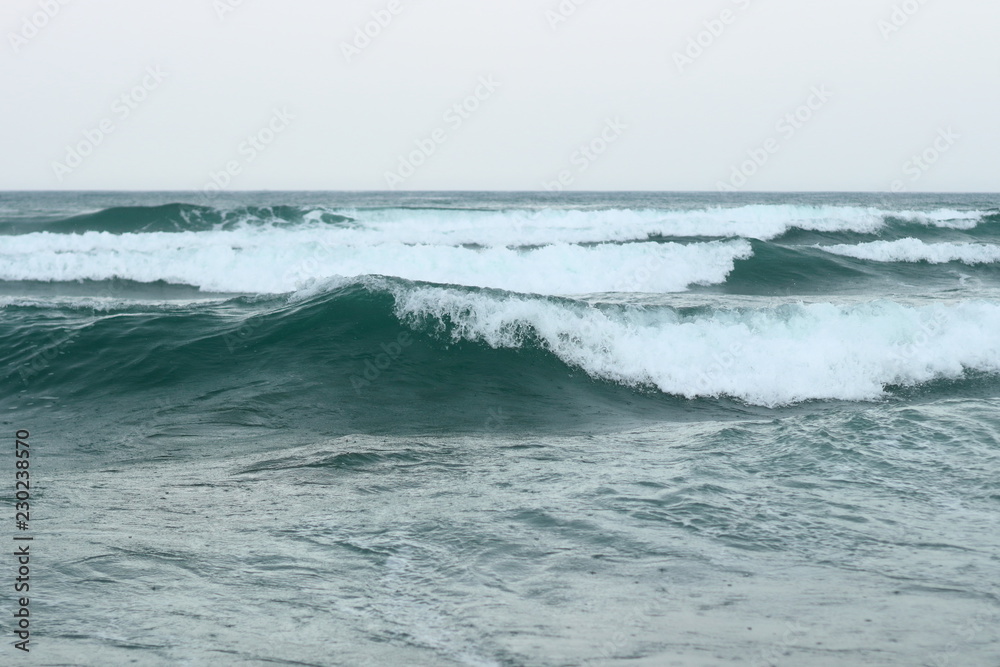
point(916, 250)
point(760, 249)
point(172, 218)
point(280, 261)
point(504, 228)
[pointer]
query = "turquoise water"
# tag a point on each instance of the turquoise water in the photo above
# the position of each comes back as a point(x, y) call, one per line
point(507, 429)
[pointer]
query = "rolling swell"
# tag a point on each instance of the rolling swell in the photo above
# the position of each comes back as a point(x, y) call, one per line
point(510, 226)
point(280, 262)
point(756, 249)
point(986, 228)
point(339, 362)
point(776, 270)
point(498, 318)
point(385, 354)
point(174, 217)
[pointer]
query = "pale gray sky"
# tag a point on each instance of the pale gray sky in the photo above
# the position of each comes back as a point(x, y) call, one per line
point(887, 80)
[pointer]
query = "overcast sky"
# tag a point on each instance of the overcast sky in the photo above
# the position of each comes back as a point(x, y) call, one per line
point(261, 94)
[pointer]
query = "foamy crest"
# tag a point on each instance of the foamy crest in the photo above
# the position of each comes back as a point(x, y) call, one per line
point(521, 227)
point(946, 218)
point(915, 250)
point(277, 261)
point(765, 357)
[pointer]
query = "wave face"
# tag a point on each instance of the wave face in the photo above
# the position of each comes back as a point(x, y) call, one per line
point(391, 340)
point(765, 303)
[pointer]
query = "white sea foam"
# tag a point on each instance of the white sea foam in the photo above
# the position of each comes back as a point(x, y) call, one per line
point(518, 250)
point(915, 250)
point(522, 227)
point(944, 217)
point(767, 357)
point(276, 261)
point(519, 227)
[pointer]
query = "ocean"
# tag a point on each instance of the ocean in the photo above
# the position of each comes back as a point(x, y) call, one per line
point(539, 429)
